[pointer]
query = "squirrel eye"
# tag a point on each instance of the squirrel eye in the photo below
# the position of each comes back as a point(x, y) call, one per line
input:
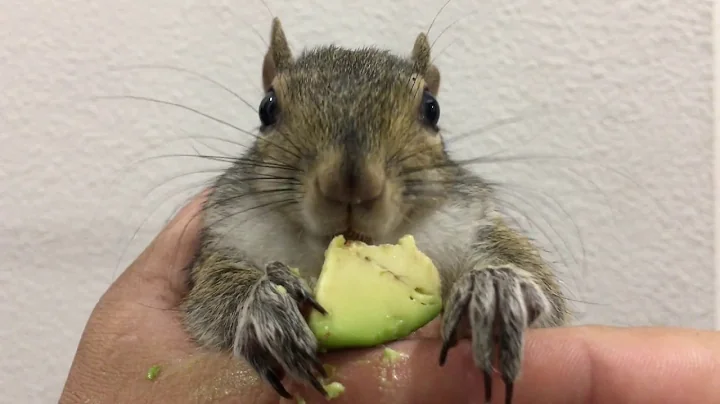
point(268, 108)
point(430, 109)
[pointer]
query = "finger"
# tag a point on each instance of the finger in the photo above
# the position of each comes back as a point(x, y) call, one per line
point(159, 271)
point(572, 365)
point(203, 378)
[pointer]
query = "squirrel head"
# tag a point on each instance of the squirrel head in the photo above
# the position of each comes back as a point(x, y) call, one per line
point(357, 132)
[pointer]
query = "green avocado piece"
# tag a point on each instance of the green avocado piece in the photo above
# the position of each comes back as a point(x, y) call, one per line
point(374, 294)
point(153, 372)
point(334, 389)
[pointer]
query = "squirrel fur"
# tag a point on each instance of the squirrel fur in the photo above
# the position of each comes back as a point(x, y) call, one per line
point(349, 144)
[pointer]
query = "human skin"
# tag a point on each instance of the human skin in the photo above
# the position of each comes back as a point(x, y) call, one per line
point(136, 325)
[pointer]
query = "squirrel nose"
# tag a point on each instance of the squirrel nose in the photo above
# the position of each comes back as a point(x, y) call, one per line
point(352, 187)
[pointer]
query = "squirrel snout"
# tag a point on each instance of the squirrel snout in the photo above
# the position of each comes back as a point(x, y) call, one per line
point(352, 186)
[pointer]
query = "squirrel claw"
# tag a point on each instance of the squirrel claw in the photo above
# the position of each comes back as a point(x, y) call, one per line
point(505, 298)
point(276, 384)
point(318, 386)
point(320, 368)
point(281, 274)
point(487, 380)
point(451, 342)
point(272, 332)
point(509, 388)
point(316, 305)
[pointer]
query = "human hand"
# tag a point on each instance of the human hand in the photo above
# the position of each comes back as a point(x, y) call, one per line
point(136, 325)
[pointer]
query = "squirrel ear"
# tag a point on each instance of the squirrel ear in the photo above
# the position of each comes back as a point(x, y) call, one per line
point(278, 55)
point(432, 79)
point(421, 53)
point(422, 63)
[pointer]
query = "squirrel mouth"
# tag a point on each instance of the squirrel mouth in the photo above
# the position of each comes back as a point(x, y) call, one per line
point(351, 235)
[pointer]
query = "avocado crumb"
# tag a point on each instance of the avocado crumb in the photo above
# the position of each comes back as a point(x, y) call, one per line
point(330, 370)
point(281, 289)
point(300, 400)
point(153, 372)
point(295, 271)
point(334, 389)
point(391, 355)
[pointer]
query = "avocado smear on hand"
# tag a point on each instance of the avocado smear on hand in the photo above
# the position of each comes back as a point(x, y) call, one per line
point(374, 293)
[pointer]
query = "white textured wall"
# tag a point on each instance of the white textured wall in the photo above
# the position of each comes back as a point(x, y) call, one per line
point(622, 87)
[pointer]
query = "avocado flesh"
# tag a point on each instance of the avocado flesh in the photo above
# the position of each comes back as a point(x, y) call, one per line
point(374, 294)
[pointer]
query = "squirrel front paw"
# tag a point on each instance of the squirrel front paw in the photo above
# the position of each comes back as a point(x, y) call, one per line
point(500, 303)
point(272, 335)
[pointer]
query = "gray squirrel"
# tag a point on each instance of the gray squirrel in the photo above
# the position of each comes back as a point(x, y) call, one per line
point(349, 143)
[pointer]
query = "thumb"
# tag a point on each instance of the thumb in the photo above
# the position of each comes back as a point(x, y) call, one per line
point(158, 276)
